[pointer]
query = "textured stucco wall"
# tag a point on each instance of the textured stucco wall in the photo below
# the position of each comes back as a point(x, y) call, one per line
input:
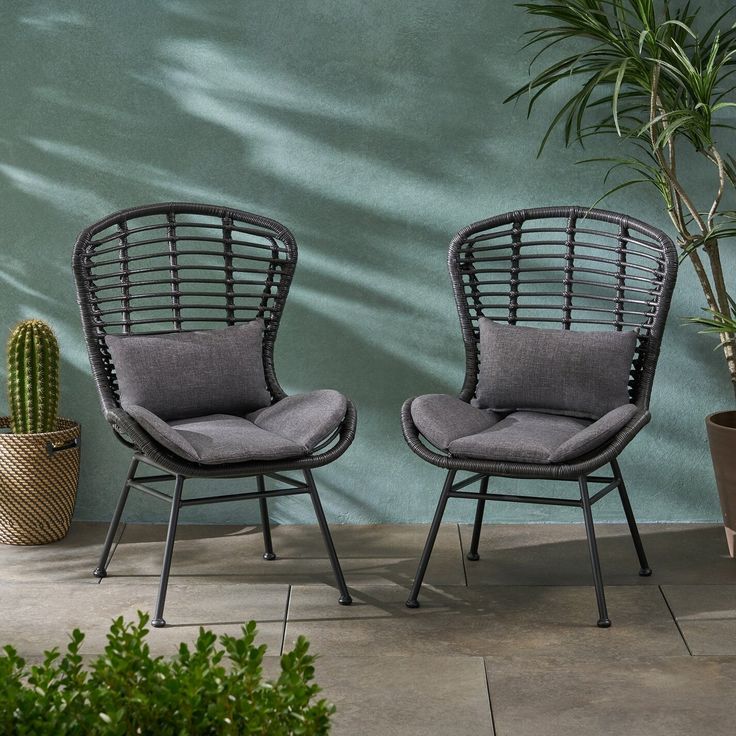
point(374, 130)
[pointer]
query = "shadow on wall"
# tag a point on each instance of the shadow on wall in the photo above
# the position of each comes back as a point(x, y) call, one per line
point(374, 131)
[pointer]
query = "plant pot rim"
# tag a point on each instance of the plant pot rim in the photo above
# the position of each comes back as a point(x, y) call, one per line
point(711, 419)
point(62, 425)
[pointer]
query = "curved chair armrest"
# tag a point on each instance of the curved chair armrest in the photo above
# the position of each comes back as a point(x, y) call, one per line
point(128, 431)
point(616, 444)
point(413, 438)
point(345, 436)
point(564, 471)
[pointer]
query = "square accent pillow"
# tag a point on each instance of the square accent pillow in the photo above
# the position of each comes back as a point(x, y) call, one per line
point(575, 373)
point(187, 374)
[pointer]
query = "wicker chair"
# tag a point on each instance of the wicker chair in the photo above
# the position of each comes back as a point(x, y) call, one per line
point(173, 268)
point(565, 266)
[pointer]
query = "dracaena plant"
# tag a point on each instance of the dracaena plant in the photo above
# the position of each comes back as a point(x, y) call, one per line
point(659, 77)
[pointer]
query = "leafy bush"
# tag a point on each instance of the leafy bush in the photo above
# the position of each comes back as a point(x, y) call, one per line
point(210, 689)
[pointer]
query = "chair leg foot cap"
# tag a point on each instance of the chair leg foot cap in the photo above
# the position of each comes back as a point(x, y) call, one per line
point(473, 556)
point(100, 572)
point(158, 623)
point(604, 623)
point(645, 572)
point(412, 603)
point(344, 600)
point(269, 556)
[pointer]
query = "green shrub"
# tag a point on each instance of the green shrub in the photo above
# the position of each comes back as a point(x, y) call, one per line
point(210, 689)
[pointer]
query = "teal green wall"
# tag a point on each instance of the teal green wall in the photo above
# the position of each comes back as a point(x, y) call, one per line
point(374, 129)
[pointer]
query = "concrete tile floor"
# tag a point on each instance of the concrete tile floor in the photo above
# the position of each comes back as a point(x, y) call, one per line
point(484, 621)
point(380, 554)
point(677, 552)
point(508, 642)
point(26, 610)
point(706, 615)
point(646, 696)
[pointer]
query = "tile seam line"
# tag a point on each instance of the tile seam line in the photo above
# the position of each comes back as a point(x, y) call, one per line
point(462, 554)
point(487, 675)
point(674, 618)
point(286, 620)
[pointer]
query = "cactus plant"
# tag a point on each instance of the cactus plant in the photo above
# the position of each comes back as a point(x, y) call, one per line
point(33, 377)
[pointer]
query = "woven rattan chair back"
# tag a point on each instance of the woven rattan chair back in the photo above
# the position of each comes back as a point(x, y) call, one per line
point(569, 267)
point(178, 267)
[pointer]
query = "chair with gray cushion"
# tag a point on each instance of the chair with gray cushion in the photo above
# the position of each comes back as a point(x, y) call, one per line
point(562, 311)
point(180, 306)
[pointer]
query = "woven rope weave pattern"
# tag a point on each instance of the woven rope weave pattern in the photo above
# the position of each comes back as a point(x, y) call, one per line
point(37, 489)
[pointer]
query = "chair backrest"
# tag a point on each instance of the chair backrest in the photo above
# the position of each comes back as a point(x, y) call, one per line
point(175, 267)
point(572, 267)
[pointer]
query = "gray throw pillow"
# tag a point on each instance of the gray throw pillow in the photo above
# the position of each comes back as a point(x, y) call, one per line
point(579, 374)
point(186, 374)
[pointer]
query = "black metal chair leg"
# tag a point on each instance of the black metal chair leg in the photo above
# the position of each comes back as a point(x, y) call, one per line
point(345, 599)
point(473, 555)
point(158, 619)
point(644, 569)
point(268, 553)
point(412, 601)
point(101, 570)
point(603, 621)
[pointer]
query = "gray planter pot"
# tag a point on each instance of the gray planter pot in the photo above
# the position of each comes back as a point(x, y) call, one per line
point(721, 428)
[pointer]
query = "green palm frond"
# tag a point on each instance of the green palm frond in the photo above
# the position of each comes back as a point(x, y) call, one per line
point(626, 39)
point(724, 226)
point(717, 324)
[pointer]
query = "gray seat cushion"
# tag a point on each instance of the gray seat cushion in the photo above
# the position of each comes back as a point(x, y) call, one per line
point(189, 374)
point(575, 373)
point(523, 436)
point(292, 427)
point(216, 438)
point(303, 418)
point(442, 418)
point(541, 438)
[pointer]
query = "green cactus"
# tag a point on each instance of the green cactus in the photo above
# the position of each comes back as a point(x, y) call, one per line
point(33, 377)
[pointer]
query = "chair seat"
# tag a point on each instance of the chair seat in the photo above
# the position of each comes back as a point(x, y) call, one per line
point(292, 427)
point(522, 436)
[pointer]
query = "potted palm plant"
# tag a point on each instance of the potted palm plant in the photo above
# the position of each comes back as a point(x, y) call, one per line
point(660, 79)
point(39, 451)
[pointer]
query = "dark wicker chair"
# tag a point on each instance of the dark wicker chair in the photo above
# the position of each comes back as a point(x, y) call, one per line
point(566, 266)
point(175, 267)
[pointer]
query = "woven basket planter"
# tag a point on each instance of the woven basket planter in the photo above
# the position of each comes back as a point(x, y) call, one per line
point(38, 483)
